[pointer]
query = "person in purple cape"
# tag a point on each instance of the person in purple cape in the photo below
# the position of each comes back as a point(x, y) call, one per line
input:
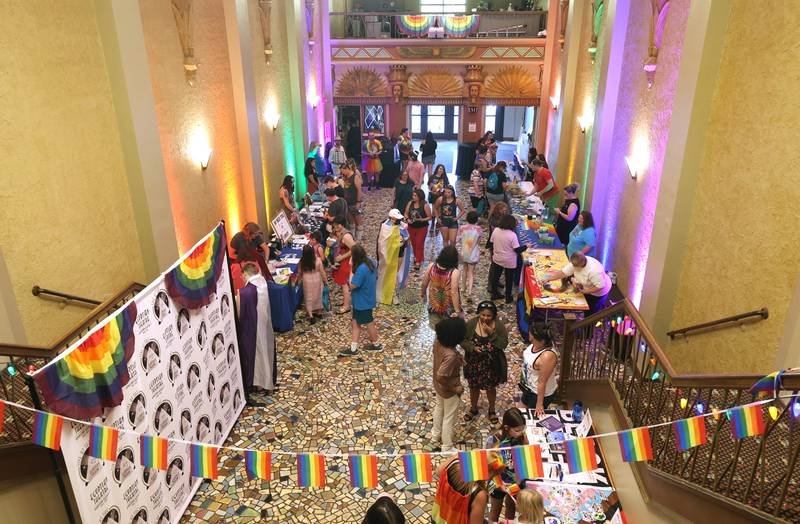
point(257, 340)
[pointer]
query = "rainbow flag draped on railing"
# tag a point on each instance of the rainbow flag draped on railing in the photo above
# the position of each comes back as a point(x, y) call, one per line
point(459, 26)
point(192, 282)
point(414, 26)
point(91, 376)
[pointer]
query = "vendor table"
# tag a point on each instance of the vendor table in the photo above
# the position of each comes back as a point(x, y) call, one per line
point(542, 263)
point(587, 497)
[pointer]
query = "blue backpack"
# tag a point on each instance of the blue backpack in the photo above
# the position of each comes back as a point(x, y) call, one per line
point(494, 181)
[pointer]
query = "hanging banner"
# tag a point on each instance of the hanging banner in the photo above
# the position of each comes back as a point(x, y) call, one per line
point(183, 382)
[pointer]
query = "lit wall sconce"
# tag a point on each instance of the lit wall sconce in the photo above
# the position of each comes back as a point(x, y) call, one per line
point(633, 169)
point(639, 159)
point(584, 122)
point(313, 99)
point(199, 148)
point(554, 102)
point(205, 158)
point(272, 120)
point(658, 20)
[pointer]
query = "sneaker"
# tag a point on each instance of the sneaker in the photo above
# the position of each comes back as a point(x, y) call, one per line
point(347, 353)
point(372, 347)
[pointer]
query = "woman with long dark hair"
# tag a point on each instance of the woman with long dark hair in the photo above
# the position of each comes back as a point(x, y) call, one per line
point(538, 381)
point(286, 195)
point(448, 210)
point(310, 172)
point(428, 150)
point(314, 278)
point(363, 291)
point(418, 215)
point(436, 183)
point(567, 215)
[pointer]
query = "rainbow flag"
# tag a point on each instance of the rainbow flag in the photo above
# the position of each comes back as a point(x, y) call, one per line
point(47, 430)
point(194, 280)
point(363, 471)
point(747, 421)
point(204, 461)
point(528, 462)
point(580, 455)
point(91, 375)
point(474, 465)
point(635, 445)
point(414, 25)
point(258, 464)
point(690, 432)
point(103, 442)
point(418, 468)
point(153, 451)
point(769, 384)
point(310, 470)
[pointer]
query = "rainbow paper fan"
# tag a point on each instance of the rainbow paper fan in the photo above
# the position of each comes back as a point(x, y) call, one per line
point(192, 282)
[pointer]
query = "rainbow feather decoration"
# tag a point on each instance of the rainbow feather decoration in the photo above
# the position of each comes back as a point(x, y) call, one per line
point(474, 465)
point(460, 26)
point(91, 375)
point(635, 445)
point(747, 421)
point(192, 282)
point(690, 432)
point(103, 442)
point(580, 455)
point(414, 26)
point(258, 464)
point(418, 468)
point(363, 471)
point(47, 430)
point(204, 461)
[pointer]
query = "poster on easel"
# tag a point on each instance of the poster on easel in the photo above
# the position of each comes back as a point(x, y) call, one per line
point(181, 379)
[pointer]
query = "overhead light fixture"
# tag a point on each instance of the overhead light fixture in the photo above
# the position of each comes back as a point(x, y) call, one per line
point(554, 102)
point(584, 122)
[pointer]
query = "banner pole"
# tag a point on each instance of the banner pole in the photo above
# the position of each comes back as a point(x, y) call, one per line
point(37, 403)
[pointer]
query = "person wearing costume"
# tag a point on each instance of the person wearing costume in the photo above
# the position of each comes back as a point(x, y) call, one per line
point(372, 162)
point(393, 258)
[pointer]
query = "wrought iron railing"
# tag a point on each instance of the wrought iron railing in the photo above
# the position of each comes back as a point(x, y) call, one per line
point(488, 24)
point(759, 474)
point(16, 359)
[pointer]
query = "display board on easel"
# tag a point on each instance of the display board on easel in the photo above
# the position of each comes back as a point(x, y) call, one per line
point(282, 227)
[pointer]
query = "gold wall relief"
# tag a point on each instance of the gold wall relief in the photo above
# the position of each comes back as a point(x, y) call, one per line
point(512, 81)
point(449, 53)
point(361, 82)
point(435, 83)
point(265, 16)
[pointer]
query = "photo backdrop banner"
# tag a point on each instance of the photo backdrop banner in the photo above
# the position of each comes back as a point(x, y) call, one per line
point(184, 383)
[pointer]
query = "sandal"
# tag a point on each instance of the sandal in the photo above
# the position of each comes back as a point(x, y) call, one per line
point(469, 415)
point(342, 311)
point(492, 416)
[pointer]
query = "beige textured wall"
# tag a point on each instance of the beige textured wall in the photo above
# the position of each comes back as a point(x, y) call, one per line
point(188, 115)
point(742, 248)
point(64, 200)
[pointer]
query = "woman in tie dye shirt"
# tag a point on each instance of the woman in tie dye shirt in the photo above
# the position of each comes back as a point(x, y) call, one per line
point(469, 234)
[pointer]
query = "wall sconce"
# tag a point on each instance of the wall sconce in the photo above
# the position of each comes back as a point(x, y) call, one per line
point(633, 169)
point(313, 99)
point(584, 122)
point(198, 148)
point(204, 158)
point(639, 159)
point(273, 118)
point(658, 20)
point(554, 102)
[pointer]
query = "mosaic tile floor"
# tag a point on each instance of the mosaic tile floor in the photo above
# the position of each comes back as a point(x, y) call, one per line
point(374, 402)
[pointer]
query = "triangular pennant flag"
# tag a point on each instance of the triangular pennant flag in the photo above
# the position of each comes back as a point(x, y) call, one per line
point(580, 455)
point(474, 465)
point(635, 445)
point(690, 432)
point(363, 471)
point(768, 384)
point(310, 470)
point(528, 462)
point(747, 421)
point(258, 464)
point(47, 430)
point(204, 461)
point(418, 468)
point(103, 442)
point(153, 451)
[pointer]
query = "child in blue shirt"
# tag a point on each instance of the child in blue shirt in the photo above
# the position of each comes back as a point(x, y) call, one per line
point(362, 286)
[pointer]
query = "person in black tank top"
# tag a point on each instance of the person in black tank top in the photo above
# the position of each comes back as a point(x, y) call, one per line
point(448, 210)
point(418, 214)
point(567, 215)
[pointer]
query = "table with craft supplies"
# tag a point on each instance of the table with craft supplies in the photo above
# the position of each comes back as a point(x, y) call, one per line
point(570, 497)
point(541, 263)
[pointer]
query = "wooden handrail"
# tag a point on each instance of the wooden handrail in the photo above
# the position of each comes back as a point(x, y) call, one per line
point(762, 313)
point(39, 291)
point(398, 13)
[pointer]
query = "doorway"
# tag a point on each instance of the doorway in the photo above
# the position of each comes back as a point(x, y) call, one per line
point(440, 120)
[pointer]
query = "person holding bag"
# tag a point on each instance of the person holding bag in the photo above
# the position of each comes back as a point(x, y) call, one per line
point(485, 363)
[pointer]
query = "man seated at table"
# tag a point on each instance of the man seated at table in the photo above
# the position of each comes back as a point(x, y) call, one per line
point(589, 277)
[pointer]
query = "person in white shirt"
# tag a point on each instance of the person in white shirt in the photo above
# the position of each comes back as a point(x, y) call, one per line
point(589, 277)
point(337, 156)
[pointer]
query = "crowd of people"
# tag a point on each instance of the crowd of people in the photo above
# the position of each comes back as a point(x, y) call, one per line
point(447, 287)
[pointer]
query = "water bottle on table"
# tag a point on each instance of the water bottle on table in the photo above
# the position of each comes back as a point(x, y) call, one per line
point(577, 411)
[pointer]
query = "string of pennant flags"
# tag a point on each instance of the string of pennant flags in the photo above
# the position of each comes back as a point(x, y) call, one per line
point(635, 445)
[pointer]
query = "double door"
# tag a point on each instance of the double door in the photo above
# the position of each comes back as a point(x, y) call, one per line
point(442, 121)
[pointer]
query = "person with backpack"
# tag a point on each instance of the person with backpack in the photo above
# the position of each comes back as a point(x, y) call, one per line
point(496, 185)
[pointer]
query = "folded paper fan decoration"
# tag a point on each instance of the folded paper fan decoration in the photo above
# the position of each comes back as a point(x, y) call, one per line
point(414, 25)
point(459, 26)
point(192, 282)
point(91, 376)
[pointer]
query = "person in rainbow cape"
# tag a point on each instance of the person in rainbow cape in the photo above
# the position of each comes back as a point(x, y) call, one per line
point(394, 259)
point(372, 162)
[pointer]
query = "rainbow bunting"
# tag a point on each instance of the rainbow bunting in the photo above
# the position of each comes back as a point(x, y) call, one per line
point(310, 470)
point(153, 451)
point(690, 432)
point(192, 282)
point(528, 462)
point(258, 464)
point(474, 465)
point(459, 26)
point(747, 421)
point(580, 455)
point(103, 442)
point(204, 461)
point(414, 25)
point(418, 468)
point(635, 445)
point(2, 414)
point(363, 471)
point(91, 375)
point(769, 384)
point(47, 430)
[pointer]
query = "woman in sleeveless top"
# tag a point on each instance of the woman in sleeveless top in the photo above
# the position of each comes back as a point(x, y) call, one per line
point(341, 270)
point(448, 209)
point(418, 214)
point(440, 286)
point(351, 183)
point(567, 215)
point(286, 195)
point(538, 381)
point(456, 501)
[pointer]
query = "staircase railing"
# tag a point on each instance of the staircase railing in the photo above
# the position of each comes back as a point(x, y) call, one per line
point(757, 474)
point(16, 359)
